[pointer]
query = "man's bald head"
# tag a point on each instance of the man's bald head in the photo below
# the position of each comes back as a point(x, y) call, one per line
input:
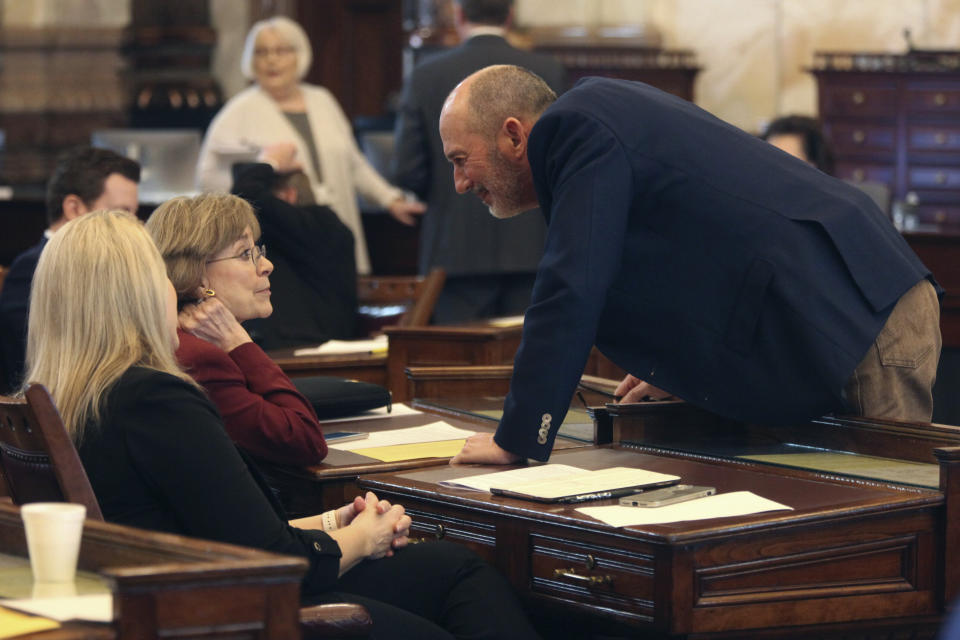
point(488, 97)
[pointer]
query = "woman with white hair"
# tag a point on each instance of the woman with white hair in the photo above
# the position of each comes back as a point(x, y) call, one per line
point(278, 108)
point(101, 338)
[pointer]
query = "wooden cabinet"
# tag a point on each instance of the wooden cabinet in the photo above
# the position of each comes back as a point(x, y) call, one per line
point(895, 119)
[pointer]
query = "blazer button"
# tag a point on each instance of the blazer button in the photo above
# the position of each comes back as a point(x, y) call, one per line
point(316, 545)
point(542, 438)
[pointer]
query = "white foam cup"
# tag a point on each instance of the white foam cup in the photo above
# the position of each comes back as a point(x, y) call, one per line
point(53, 532)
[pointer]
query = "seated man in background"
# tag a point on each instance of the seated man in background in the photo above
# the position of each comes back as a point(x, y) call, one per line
point(801, 137)
point(314, 287)
point(85, 179)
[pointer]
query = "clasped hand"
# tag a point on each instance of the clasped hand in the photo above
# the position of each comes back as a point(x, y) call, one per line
point(382, 527)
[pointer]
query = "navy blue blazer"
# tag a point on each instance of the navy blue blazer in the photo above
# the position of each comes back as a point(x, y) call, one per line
point(698, 258)
point(14, 305)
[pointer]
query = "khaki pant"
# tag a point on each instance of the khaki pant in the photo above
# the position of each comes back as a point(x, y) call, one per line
point(895, 379)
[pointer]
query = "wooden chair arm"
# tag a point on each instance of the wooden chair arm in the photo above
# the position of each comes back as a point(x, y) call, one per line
point(344, 620)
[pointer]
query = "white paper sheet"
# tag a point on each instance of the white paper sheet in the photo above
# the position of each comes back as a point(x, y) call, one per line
point(96, 607)
point(345, 347)
point(432, 432)
point(483, 481)
point(736, 503)
point(508, 321)
point(397, 411)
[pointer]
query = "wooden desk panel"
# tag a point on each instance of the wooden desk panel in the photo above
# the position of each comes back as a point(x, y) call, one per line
point(481, 344)
point(850, 554)
point(172, 586)
point(368, 367)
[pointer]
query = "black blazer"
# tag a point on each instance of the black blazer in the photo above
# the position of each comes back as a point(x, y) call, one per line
point(14, 305)
point(160, 459)
point(314, 280)
point(457, 231)
point(698, 258)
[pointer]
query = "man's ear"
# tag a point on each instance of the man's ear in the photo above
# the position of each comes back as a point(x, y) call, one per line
point(513, 135)
point(73, 207)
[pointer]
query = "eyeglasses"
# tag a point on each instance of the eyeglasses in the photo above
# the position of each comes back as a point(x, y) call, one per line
point(253, 254)
point(280, 52)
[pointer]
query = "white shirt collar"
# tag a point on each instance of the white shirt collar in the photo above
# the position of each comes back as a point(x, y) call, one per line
point(486, 30)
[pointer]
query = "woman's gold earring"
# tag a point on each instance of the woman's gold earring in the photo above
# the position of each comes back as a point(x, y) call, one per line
point(209, 293)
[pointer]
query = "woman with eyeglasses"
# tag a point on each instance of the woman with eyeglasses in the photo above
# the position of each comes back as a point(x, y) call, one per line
point(222, 278)
point(279, 107)
point(102, 334)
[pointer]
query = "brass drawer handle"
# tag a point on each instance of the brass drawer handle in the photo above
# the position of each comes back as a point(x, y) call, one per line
point(572, 574)
point(859, 98)
point(859, 136)
point(939, 99)
point(439, 532)
point(940, 216)
point(859, 175)
point(940, 137)
point(940, 178)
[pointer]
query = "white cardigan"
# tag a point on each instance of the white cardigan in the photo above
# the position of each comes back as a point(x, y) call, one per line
point(252, 120)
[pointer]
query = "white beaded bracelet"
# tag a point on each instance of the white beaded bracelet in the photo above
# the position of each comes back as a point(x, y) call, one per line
point(329, 519)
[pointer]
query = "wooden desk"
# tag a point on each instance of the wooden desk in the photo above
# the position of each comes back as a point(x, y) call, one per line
point(367, 367)
point(172, 586)
point(850, 554)
point(479, 344)
point(310, 490)
point(862, 554)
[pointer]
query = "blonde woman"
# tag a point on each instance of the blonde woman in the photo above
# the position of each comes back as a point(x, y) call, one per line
point(101, 338)
point(279, 107)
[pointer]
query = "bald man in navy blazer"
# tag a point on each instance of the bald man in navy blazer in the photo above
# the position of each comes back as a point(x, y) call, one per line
point(707, 263)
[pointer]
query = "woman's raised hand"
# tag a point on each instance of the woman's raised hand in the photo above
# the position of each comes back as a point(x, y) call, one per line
point(210, 320)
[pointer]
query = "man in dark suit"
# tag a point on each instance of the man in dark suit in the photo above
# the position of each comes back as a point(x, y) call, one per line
point(700, 259)
point(85, 179)
point(490, 267)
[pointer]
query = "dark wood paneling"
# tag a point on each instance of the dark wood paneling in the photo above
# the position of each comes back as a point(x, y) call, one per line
point(356, 51)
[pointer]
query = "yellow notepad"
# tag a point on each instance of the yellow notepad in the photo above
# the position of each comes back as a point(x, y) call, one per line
point(394, 453)
point(14, 623)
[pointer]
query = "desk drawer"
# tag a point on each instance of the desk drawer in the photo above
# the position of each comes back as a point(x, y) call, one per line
point(933, 99)
point(867, 100)
point(933, 178)
point(933, 138)
point(865, 172)
point(481, 537)
point(863, 138)
point(601, 576)
point(945, 214)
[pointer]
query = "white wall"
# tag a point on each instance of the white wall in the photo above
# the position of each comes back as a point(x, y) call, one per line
point(753, 52)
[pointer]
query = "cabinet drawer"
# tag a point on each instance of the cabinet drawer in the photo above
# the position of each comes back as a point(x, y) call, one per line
point(866, 100)
point(944, 214)
point(933, 178)
point(864, 172)
point(604, 576)
point(862, 138)
point(479, 536)
point(933, 138)
point(933, 99)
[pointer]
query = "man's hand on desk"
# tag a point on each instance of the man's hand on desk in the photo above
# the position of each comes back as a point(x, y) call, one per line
point(633, 389)
point(480, 448)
